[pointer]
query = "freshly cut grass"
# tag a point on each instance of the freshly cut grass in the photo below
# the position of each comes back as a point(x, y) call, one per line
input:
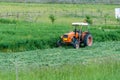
point(60, 56)
point(99, 62)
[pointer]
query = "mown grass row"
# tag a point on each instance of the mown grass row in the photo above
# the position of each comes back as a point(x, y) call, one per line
point(22, 36)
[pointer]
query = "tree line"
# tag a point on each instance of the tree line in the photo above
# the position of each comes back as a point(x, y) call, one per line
point(66, 1)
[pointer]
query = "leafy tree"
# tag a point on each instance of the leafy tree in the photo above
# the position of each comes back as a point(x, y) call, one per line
point(88, 19)
point(52, 18)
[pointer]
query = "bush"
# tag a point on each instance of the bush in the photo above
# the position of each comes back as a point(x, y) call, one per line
point(88, 19)
point(52, 18)
point(8, 21)
point(118, 20)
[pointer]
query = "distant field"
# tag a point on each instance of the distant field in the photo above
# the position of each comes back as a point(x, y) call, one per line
point(64, 13)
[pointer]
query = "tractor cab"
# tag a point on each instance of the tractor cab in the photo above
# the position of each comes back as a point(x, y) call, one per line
point(78, 27)
point(78, 36)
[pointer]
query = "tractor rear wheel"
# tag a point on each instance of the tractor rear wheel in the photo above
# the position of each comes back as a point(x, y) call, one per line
point(88, 40)
point(76, 44)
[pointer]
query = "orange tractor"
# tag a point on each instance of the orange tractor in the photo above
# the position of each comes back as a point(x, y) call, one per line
point(77, 37)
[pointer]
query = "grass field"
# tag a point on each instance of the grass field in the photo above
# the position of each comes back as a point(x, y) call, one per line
point(28, 43)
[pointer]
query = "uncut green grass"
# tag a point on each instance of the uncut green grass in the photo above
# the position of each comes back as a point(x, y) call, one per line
point(24, 36)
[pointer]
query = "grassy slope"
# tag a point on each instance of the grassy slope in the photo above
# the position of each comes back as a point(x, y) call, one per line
point(101, 61)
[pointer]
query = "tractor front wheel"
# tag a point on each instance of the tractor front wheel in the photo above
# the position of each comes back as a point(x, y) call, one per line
point(88, 40)
point(76, 44)
point(59, 44)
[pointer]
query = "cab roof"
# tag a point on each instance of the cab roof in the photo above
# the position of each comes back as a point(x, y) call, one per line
point(79, 24)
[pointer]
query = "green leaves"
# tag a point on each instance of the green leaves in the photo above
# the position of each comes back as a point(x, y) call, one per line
point(88, 19)
point(8, 21)
point(52, 18)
